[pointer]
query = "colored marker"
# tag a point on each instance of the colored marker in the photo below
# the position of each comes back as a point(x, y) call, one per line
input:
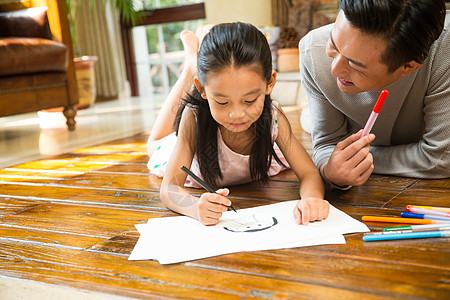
point(426, 211)
point(375, 112)
point(407, 214)
point(400, 220)
point(406, 231)
point(408, 235)
point(418, 227)
point(203, 184)
point(445, 209)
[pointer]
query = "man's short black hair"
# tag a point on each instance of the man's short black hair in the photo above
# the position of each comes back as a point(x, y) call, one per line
point(409, 27)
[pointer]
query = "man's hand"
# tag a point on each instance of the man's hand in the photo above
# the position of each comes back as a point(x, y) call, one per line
point(351, 163)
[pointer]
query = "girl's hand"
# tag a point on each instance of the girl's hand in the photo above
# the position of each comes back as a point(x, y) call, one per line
point(211, 206)
point(311, 209)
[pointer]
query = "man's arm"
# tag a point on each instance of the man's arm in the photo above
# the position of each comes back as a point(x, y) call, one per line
point(351, 164)
point(430, 157)
point(320, 108)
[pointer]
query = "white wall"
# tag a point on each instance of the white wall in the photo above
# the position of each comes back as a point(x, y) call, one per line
point(256, 12)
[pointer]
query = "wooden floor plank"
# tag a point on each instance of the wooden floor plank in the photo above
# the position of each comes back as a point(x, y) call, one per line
point(126, 168)
point(60, 165)
point(116, 275)
point(122, 243)
point(438, 185)
point(69, 221)
point(439, 198)
point(348, 271)
point(119, 147)
point(90, 220)
point(26, 234)
point(128, 182)
point(64, 167)
point(74, 158)
point(10, 206)
point(88, 195)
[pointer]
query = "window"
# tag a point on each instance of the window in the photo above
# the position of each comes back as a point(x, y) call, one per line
point(161, 60)
point(154, 58)
point(152, 4)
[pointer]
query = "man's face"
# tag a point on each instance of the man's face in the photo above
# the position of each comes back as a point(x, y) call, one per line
point(357, 59)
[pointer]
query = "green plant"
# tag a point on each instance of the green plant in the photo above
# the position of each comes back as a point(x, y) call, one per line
point(128, 10)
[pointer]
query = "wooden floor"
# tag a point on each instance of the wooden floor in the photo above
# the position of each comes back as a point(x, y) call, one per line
point(68, 222)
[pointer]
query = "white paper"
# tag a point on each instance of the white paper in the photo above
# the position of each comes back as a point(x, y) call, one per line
point(178, 239)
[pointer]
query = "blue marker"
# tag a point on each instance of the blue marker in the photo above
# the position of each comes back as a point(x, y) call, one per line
point(407, 235)
point(406, 214)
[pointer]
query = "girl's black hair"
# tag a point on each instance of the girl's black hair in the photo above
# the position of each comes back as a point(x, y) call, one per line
point(231, 45)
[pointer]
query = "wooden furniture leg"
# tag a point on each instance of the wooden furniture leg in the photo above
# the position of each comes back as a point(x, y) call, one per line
point(70, 112)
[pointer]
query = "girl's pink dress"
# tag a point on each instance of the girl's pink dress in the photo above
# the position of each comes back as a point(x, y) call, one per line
point(234, 166)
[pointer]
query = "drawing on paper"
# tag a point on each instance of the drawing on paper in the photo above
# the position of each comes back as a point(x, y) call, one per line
point(250, 223)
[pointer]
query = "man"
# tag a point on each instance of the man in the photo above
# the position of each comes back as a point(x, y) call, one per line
point(398, 45)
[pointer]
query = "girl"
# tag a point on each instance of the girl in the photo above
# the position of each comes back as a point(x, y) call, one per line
point(226, 127)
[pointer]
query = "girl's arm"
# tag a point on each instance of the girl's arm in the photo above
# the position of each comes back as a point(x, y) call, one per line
point(311, 206)
point(210, 206)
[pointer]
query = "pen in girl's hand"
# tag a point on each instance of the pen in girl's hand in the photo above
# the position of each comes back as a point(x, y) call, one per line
point(202, 183)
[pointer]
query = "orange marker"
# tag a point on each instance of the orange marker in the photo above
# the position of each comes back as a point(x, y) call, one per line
point(400, 220)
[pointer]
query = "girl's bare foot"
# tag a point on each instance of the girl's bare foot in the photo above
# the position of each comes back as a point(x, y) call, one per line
point(190, 44)
point(202, 31)
point(164, 122)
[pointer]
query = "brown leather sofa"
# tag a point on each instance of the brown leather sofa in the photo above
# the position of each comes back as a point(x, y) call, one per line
point(36, 66)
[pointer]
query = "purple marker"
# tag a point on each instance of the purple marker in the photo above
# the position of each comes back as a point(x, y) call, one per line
point(374, 114)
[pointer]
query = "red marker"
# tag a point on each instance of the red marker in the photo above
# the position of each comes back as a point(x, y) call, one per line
point(374, 114)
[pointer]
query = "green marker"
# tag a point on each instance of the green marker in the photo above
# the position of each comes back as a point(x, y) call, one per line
point(417, 227)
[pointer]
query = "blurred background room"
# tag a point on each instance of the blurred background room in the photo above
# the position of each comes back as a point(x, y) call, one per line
point(136, 55)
